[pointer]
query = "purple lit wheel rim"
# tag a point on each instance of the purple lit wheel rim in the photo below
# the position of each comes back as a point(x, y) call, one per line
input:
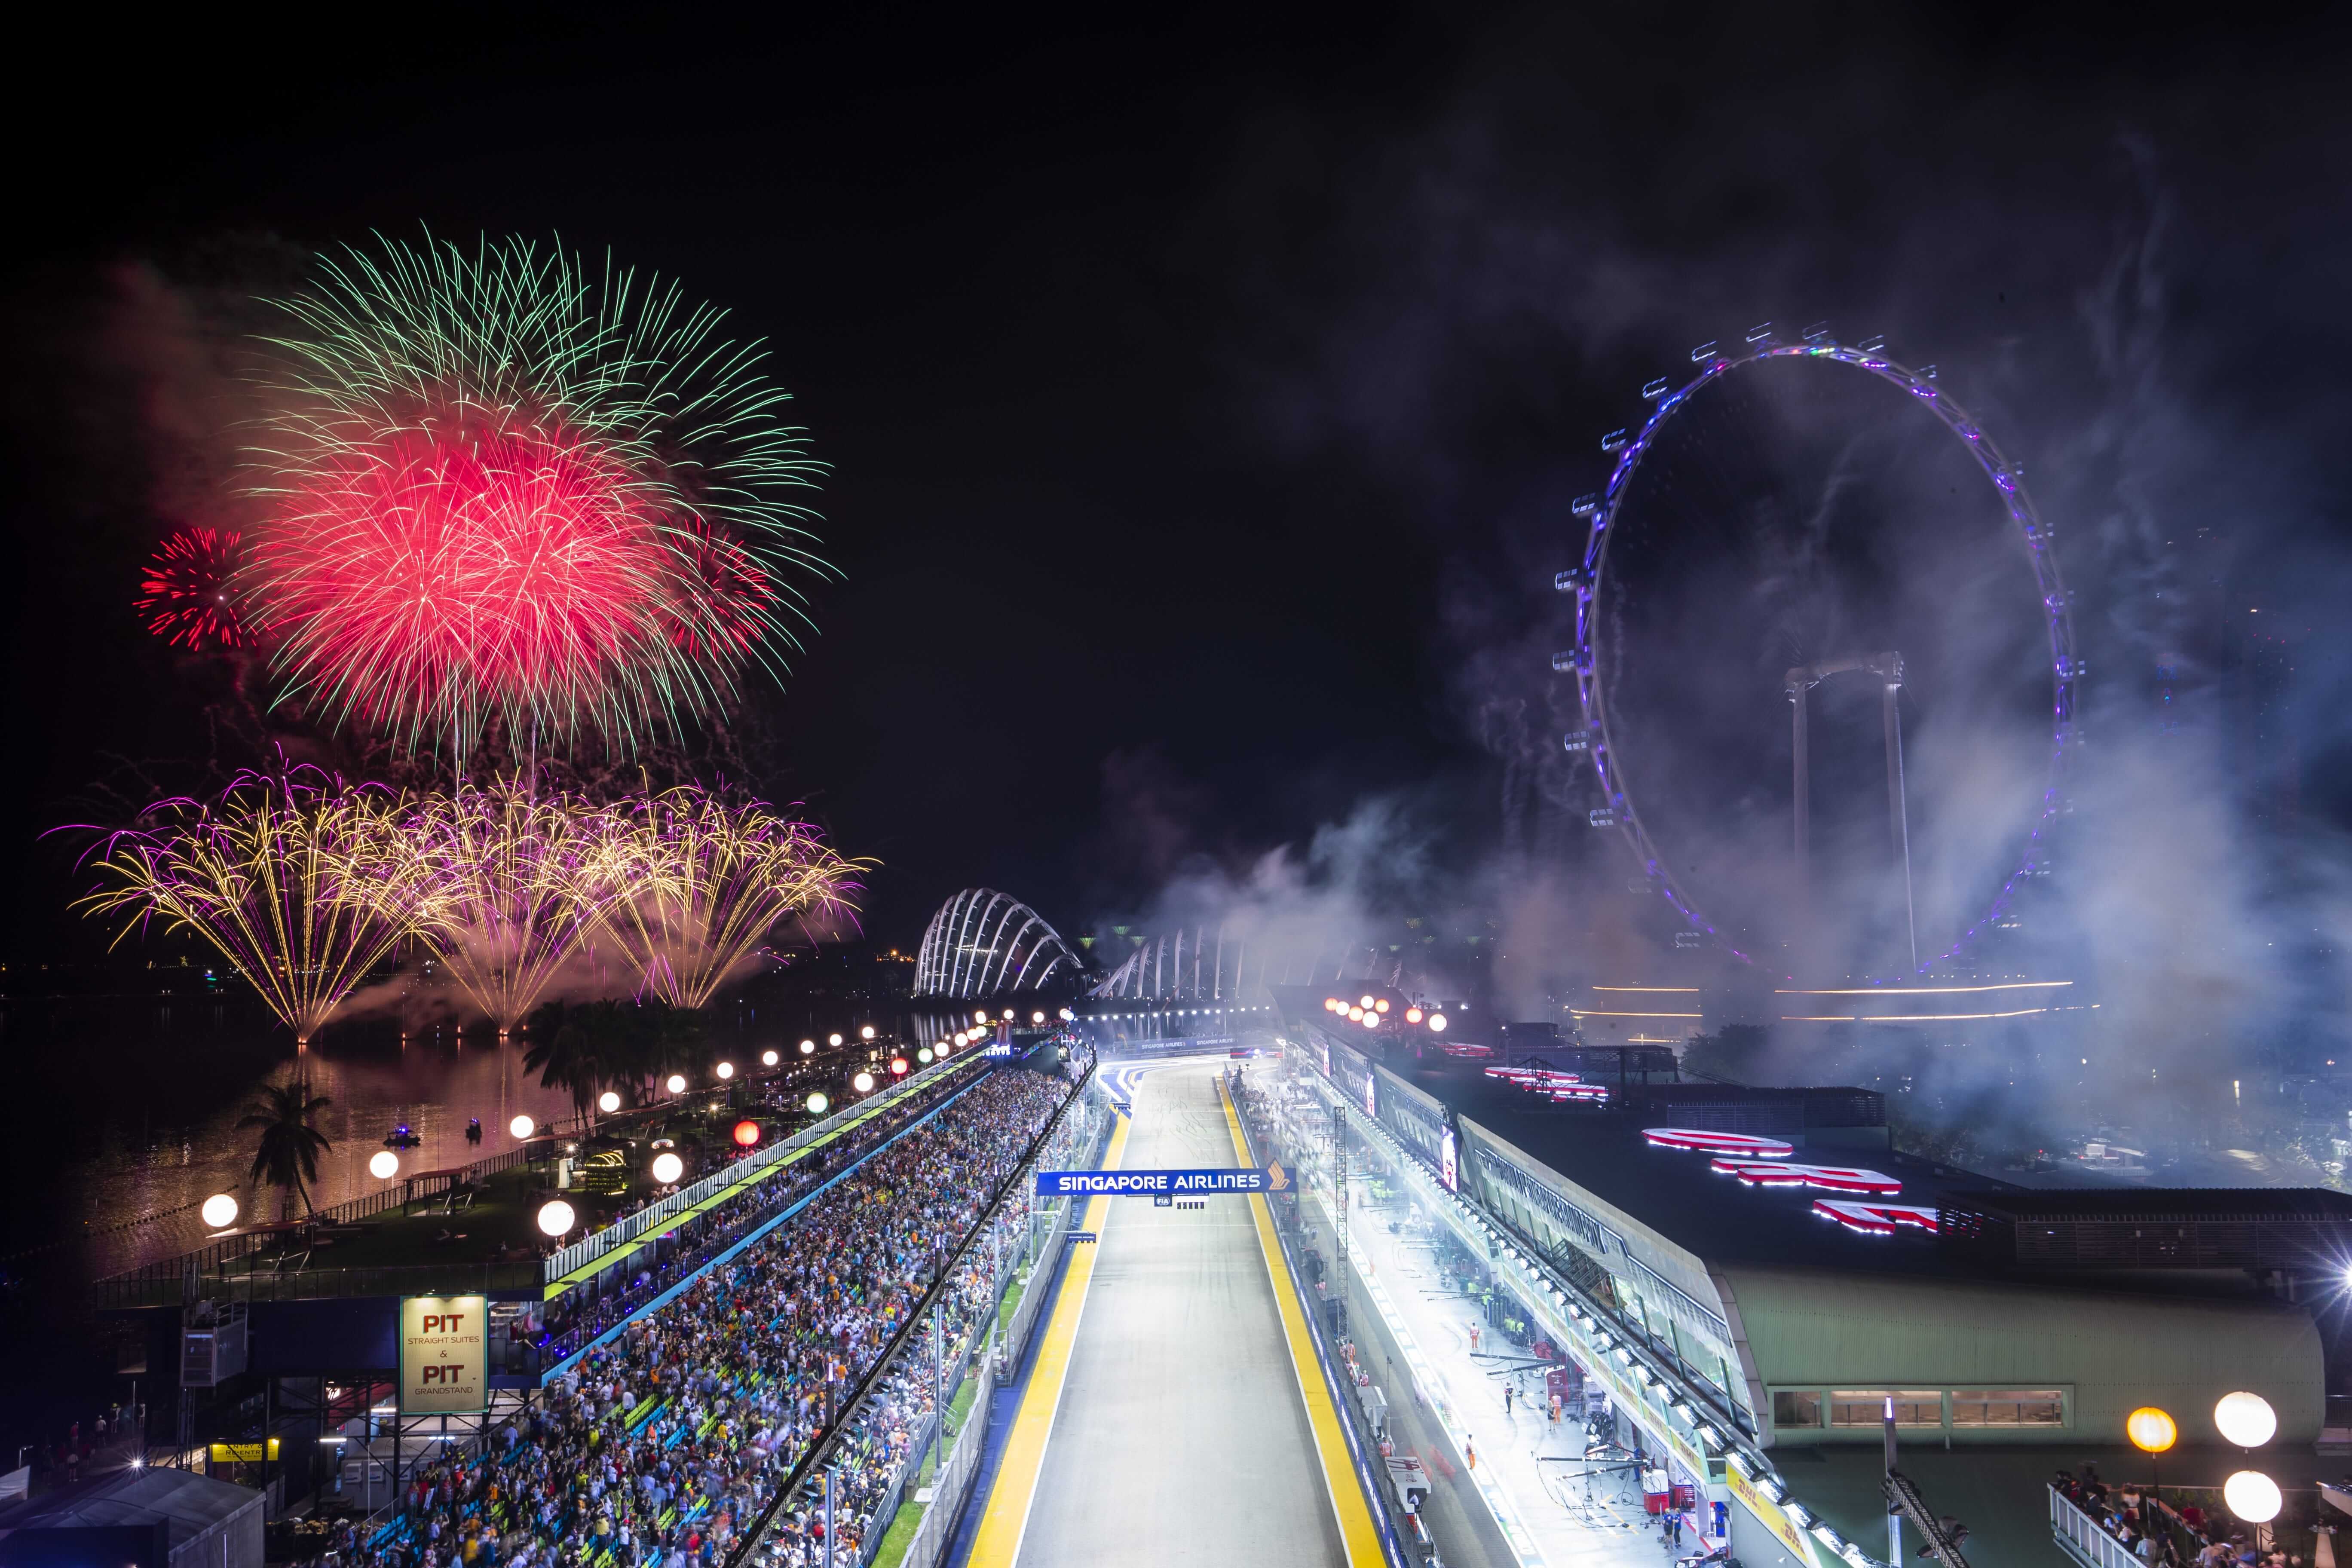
point(2064, 668)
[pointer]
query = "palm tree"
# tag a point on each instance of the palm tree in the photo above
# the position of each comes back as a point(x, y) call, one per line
point(568, 1052)
point(287, 1155)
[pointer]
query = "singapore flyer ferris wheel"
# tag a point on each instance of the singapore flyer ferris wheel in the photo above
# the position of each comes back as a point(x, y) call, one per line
point(1803, 551)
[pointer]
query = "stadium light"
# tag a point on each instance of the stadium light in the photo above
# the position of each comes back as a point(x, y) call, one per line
point(555, 1218)
point(2253, 1497)
point(2246, 1420)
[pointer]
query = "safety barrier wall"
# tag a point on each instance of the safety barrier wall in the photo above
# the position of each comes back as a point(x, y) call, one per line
point(2081, 1539)
point(954, 1482)
point(1363, 1448)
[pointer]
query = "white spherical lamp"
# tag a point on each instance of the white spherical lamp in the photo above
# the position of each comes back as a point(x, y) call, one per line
point(833, 1039)
point(2247, 1420)
point(866, 1033)
point(668, 1168)
point(608, 1103)
point(2253, 1497)
point(676, 1083)
point(1437, 1023)
point(924, 1056)
point(384, 1164)
point(816, 1104)
point(980, 1016)
point(522, 1126)
point(862, 1083)
point(767, 1058)
point(726, 1071)
point(1036, 1018)
point(555, 1218)
point(219, 1211)
point(808, 1048)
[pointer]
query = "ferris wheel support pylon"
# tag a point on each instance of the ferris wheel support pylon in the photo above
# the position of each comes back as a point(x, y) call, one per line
point(1799, 684)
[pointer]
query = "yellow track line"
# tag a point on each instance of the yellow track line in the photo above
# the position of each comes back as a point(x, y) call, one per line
point(1355, 1520)
point(1007, 1520)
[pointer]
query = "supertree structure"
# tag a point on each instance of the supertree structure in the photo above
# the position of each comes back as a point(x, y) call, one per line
point(503, 489)
point(301, 882)
point(691, 883)
point(506, 904)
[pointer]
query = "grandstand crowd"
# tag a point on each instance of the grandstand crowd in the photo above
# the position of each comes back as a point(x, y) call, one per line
point(663, 1447)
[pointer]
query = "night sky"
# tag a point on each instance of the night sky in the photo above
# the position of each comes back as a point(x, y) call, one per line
point(1203, 397)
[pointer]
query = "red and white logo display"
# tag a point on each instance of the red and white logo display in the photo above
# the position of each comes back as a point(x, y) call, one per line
point(1740, 1143)
point(1874, 1219)
point(1566, 1087)
point(1780, 1174)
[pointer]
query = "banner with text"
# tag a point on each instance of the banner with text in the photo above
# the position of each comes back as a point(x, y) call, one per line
point(1135, 1183)
point(445, 1356)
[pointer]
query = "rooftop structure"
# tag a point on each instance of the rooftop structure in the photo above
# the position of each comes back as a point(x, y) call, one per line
point(1793, 1267)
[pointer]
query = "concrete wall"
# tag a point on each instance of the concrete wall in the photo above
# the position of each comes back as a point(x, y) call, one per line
point(2113, 1352)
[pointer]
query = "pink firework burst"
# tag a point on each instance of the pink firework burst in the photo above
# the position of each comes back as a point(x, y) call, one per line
point(518, 573)
point(186, 591)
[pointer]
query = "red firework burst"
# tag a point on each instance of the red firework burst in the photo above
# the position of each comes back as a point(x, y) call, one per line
point(726, 601)
point(518, 573)
point(187, 593)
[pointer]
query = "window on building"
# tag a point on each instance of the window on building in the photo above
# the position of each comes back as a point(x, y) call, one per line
point(1796, 1407)
point(2008, 1407)
point(1868, 1406)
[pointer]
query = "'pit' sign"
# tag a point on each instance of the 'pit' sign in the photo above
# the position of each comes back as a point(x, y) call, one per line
point(444, 1354)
